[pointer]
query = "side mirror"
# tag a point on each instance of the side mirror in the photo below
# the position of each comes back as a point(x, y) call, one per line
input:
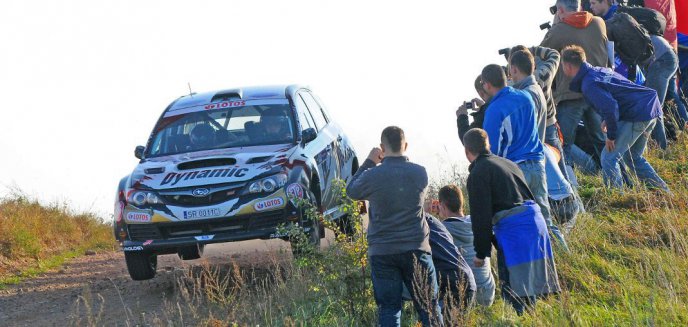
point(308, 135)
point(138, 152)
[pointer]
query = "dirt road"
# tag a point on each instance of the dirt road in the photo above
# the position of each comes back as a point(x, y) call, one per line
point(57, 298)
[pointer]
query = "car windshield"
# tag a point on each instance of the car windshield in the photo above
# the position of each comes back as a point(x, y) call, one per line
point(239, 126)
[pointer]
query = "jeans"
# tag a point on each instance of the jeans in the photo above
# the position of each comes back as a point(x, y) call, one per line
point(659, 74)
point(534, 172)
point(630, 145)
point(584, 162)
point(552, 138)
point(672, 93)
point(569, 114)
point(518, 303)
point(415, 270)
point(456, 290)
point(566, 210)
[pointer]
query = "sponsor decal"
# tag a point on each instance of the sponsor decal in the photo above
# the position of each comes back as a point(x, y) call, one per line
point(295, 191)
point(204, 237)
point(139, 217)
point(279, 235)
point(201, 213)
point(200, 192)
point(175, 178)
point(225, 104)
point(149, 242)
point(268, 204)
point(133, 248)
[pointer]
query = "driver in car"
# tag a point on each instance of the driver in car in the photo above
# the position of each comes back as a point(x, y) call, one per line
point(276, 127)
point(202, 137)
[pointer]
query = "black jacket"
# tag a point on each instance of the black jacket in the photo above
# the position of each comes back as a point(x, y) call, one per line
point(463, 125)
point(494, 184)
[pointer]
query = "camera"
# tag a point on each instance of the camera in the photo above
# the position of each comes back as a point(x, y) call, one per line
point(504, 51)
point(545, 26)
point(553, 10)
point(469, 105)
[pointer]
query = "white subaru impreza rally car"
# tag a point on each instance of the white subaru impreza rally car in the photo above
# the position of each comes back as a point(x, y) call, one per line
point(227, 166)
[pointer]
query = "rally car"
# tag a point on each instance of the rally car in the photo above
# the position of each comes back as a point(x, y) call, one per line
point(227, 166)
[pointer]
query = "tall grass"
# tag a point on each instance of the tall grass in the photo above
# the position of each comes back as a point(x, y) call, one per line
point(34, 237)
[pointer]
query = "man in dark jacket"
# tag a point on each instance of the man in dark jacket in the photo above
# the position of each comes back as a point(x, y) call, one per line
point(456, 281)
point(573, 26)
point(462, 123)
point(501, 201)
point(629, 112)
point(398, 235)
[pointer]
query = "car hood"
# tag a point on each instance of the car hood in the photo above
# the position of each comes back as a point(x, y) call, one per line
point(210, 167)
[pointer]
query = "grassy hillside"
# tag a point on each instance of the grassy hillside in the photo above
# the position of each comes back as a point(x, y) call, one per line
point(628, 265)
point(34, 237)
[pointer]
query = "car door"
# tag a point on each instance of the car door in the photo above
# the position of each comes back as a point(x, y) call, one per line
point(325, 148)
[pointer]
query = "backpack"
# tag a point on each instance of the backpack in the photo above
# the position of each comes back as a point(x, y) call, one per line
point(631, 41)
point(652, 20)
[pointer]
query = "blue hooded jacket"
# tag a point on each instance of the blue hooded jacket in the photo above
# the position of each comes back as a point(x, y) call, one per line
point(511, 126)
point(614, 97)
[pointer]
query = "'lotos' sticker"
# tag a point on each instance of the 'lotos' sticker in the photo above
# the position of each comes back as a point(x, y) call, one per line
point(139, 217)
point(268, 204)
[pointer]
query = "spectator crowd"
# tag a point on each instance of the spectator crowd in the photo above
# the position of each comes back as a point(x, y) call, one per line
point(587, 100)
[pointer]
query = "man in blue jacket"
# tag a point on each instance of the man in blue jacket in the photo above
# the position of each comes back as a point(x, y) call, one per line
point(629, 113)
point(510, 123)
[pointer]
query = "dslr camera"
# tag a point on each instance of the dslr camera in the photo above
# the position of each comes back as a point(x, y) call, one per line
point(553, 10)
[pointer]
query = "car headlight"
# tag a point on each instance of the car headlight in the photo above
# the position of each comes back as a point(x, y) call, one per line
point(268, 184)
point(140, 198)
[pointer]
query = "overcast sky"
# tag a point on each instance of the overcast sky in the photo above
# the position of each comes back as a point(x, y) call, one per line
point(83, 82)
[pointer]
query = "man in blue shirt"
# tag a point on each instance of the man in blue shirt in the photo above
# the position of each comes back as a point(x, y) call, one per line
point(510, 123)
point(629, 113)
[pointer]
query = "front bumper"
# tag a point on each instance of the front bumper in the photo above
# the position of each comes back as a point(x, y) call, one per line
point(163, 238)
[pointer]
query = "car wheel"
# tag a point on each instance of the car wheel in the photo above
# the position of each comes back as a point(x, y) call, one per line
point(191, 252)
point(346, 225)
point(313, 235)
point(141, 265)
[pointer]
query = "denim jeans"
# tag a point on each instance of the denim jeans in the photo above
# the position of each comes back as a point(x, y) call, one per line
point(415, 270)
point(630, 146)
point(659, 73)
point(566, 210)
point(518, 303)
point(672, 93)
point(534, 172)
point(569, 114)
point(552, 138)
point(584, 162)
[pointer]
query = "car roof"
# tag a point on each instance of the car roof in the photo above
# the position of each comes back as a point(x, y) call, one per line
point(243, 93)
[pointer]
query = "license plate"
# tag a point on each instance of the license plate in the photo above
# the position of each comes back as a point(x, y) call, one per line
point(201, 213)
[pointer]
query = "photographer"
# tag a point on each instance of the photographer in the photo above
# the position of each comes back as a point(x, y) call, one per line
point(581, 28)
point(477, 104)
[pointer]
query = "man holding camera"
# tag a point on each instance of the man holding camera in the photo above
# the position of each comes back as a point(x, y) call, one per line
point(477, 104)
point(398, 235)
point(573, 26)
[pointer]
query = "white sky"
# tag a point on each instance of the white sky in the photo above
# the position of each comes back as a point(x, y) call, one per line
point(83, 82)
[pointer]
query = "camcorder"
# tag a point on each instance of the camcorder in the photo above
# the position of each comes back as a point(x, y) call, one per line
point(469, 105)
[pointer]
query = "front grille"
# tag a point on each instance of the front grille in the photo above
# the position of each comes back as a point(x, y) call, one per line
point(191, 201)
point(143, 232)
point(267, 221)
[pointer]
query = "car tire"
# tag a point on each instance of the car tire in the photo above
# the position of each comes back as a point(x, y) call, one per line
point(313, 235)
point(141, 265)
point(346, 225)
point(191, 252)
